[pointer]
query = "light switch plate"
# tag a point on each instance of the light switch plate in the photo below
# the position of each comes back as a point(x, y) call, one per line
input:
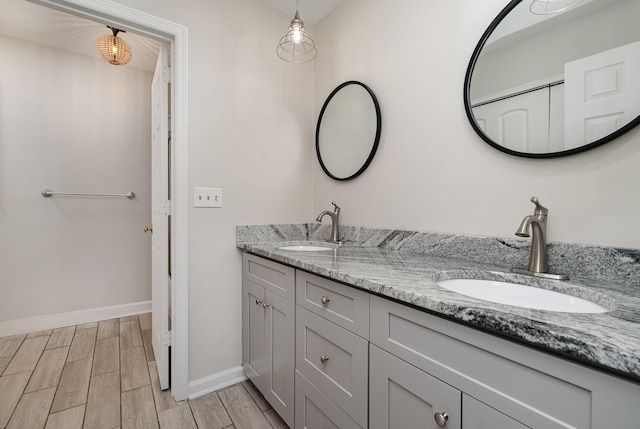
point(207, 197)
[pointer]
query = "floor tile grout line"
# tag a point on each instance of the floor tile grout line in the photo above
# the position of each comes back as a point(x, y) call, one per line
point(153, 393)
point(120, 377)
point(30, 375)
point(64, 366)
point(86, 398)
point(120, 364)
point(28, 381)
point(233, 422)
point(193, 416)
point(51, 404)
point(254, 401)
point(15, 353)
point(57, 386)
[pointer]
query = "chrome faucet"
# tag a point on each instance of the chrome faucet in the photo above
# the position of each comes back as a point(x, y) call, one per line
point(538, 260)
point(335, 223)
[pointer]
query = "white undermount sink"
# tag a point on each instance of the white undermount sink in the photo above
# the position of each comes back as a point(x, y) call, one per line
point(521, 296)
point(305, 248)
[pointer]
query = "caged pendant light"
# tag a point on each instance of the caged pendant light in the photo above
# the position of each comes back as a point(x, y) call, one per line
point(296, 46)
point(113, 49)
point(547, 7)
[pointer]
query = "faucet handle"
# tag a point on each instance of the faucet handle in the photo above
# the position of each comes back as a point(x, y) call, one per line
point(336, 209)
point(540, 209)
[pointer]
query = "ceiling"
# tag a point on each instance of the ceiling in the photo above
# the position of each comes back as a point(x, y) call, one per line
point(311, 11)
point(41, 25)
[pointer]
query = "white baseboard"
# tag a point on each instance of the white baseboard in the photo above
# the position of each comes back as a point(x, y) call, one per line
point(215, 382)
point(51, 321)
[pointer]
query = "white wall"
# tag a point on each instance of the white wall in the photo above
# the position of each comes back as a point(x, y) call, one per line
point(76, 124)
point(432, 172)
point(251, 129)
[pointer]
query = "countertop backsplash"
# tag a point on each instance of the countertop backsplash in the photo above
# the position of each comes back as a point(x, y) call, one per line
point(620, 267)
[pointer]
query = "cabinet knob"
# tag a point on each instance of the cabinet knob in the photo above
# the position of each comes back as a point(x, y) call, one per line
point(265, 305)
point(258, 301)
point(325, 300)
point(324, 358)
point(148, 228)
point(441, 419)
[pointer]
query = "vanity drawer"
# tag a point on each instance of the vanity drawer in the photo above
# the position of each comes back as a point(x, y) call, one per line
point(315, 411)
point(271, 275)
point(343, 305)
point(523, 383)
point(334, 360)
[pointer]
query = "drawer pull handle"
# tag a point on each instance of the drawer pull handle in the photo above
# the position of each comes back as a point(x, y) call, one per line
point(325, 300)
point(265, 305)
point(258, 301)
point(441, 419)
point(324, 358)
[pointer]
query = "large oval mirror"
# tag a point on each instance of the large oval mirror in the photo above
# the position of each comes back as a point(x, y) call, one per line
point(551, 84)
point(348, 131)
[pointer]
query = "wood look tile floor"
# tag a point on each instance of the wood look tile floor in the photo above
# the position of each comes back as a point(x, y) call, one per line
point(103, 375)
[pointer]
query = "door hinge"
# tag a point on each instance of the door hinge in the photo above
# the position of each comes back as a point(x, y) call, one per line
point(166, 338)
point(166, 208)
point(166, 75)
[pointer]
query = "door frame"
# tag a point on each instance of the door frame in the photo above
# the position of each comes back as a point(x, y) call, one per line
point(126, 18)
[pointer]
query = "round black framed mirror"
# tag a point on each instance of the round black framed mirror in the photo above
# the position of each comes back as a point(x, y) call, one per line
point(551, 85)
point(348, 130)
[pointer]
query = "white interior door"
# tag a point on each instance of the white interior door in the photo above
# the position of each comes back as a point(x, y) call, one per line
point(602, 93)
point(519, 123)
point(160, 210)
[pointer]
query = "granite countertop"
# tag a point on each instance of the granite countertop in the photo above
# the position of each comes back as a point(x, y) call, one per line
point(609, 341)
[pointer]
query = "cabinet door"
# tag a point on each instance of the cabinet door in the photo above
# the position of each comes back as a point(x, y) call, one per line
point(477, 415)
point(253, 331)
point(279, 350)
point(402, 396)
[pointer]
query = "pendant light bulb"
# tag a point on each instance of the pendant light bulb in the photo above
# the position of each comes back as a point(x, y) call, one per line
point(296, 35)
point(296, 46)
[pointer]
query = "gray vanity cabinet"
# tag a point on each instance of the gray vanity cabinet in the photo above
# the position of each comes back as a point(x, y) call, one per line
point(268, 346)
point(362, 361)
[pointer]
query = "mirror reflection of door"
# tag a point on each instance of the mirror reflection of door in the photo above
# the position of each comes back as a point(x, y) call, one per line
point(524, 53)
point(602, 93)
point(519, 122)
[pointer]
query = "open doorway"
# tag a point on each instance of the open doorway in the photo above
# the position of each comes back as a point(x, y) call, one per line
point(174, 35)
